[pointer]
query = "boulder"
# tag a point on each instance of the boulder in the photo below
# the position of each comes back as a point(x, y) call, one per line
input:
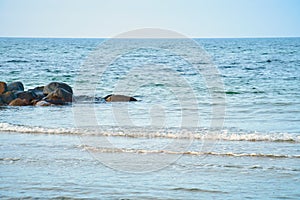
point(59, 96)
point(2, 103)
point(51, 87)
point(40, 88)
point(15, 86)
point(43, 103)
point(18, 102)
point(28, 96)
point(118, 98)
point(3, 87)
point(37, 92)
point(7, 97)
point(34, 102)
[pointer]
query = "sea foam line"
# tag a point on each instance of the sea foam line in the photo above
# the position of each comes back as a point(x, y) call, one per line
point(6, 127)
point(145, 133)
point(196, 153)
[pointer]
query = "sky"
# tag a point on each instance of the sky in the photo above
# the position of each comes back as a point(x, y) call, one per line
point(108, 18)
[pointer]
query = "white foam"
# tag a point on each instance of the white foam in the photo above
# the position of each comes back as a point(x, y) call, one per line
point(144, 151)
point(146, 133)
point(272, 137)
point(6, 127)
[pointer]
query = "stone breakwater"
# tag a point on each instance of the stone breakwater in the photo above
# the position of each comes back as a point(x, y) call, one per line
point(55, 93)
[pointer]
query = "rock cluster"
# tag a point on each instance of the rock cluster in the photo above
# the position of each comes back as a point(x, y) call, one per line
point(55, 93)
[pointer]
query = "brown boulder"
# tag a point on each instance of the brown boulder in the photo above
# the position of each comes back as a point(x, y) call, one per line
point(59, 96)
point(28, 96)
point(118, 98)
point(18, 102)
point(3, 87)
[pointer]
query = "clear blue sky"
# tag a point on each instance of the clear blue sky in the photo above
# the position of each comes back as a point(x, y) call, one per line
point(107, 18)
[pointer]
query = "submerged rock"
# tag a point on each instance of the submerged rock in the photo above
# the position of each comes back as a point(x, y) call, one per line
point(18, 102)
point(87, 99)
point(34, 102)
point(43, 103)
point(51, 87)
point(15, 86)
point(118, 98)
point(59, 96)
point(3, 87)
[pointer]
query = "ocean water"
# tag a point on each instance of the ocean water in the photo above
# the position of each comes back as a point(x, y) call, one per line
point(215, 119)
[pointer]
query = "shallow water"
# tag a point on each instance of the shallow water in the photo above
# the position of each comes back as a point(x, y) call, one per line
point(143, 150)
point(42, 165)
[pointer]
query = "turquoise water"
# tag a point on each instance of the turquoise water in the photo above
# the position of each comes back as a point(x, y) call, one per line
point(143, 150)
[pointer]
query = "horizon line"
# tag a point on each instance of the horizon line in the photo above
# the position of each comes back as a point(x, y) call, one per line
point(75, 37)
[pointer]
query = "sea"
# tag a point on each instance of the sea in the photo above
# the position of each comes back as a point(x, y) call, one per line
point(214, 119)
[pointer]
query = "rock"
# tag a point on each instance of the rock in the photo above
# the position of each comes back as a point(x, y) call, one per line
point(59, 96)
point(13, 94)
point(3, 87)
point(87, 99)
point(7, 97)
point(34, 102)
point(28, 96)
point(37, 92)
point(43, 103)
point(2, 103)
point(118, 98)
point(18, 102)
point(15, 86)
point(40, 88)
point(55, 85)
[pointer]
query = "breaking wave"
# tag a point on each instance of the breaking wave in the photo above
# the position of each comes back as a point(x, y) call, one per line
point(148, 133)
point(196, 153)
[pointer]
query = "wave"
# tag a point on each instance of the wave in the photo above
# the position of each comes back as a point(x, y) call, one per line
point(10, 159)
point(148, 133)
point(17, 61)
point(197, 190)
point(232, 92)
point(195, 153)
point(6, 127)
